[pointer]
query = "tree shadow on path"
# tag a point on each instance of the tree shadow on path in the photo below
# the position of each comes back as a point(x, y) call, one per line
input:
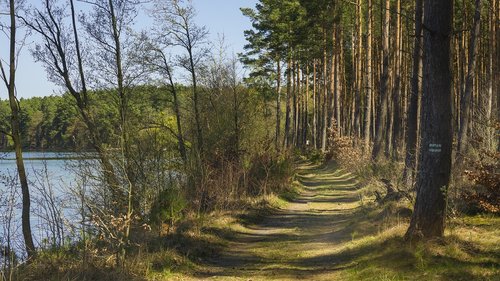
point(296, 242)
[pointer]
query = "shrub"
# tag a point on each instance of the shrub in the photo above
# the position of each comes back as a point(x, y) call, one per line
point(269, 173)
point(484, 195)
point(168, 207)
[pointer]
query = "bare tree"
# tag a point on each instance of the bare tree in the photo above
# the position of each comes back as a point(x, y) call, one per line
point(108, 25)
point(8, 224)
point(61, 55)
point(157, 56)
point(179, 16)
point(9, 79)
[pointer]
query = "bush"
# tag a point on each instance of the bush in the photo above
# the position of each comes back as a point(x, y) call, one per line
point(484, 195)
point(269, 173)
point(168, 207)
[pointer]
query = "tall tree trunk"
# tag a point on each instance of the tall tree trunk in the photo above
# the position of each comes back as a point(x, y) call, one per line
point(298, 108)
point(428, 219)
point(236, 119)
point(396, 129)
point(463, 63)
point(306, 108)
point(180, 136)
point(369, 76)
point(324, 124)
point(278, 104)
point(381, 121)
point(411, 122)
point(294, 104)
point(337, 96)
point(315, 114)
point(82, 101)
point(359, 65)
point(287, 140)
point(332, 85)
point(465, 116)
point(492, 96)
point(15, 122)
point(132, 203)
point(496, 70)
point(199, 132)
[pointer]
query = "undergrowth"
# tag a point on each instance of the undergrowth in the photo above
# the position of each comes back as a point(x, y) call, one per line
point(470, 249)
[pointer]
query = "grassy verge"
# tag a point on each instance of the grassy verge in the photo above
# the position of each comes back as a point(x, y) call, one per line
point(368, 245)
point(470, 249)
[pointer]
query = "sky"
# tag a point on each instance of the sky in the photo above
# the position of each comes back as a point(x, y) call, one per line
point(219, 16)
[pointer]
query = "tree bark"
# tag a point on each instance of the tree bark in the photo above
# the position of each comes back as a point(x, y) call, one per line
point(10, 82)
point(359, 65)
point(177, 111)
point(492, 95)
point(396, 129)
point(369, 75)
point(306, 107)
point(315, 113)
point(324, 125)
point(428, 219)
point(286, 140)
point(338, 81)
point(381, 120)
point(411, 122)
point(278, 104)
point(469, 83)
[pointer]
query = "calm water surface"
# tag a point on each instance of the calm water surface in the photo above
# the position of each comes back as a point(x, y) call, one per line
point(43, 169)
point(55, 162)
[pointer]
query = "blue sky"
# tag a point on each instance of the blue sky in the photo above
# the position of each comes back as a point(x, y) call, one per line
point(219, 16)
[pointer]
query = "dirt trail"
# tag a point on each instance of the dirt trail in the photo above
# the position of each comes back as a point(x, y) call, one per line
point(301, 241)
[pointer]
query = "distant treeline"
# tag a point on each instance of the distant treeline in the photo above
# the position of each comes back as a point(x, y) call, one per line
point(53, 123)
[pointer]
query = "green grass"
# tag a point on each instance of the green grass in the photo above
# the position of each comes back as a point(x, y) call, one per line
point(330, 237)
point(471, 253)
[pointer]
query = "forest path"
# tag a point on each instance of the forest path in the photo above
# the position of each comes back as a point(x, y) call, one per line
point(304, 240)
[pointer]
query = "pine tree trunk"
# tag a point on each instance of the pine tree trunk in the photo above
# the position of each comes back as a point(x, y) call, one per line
point(294, 105)
point(315, 114)
point(381, 120)
point(306, 107)
point(298, 107)
point(287, 141)
point(324, 124)
point(412, 119)
point(428, 219)
point(369, 84)
point(492, 95)
point(465, 116)
point(396, 131)
point(337, 83)
point(359, 65)
point(278, 105)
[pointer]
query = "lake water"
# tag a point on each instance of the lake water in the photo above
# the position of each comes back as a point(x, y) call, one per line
point(50, 178)
point(55, 162)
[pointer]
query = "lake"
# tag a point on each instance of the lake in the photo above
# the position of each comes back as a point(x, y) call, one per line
point(54, 161)
point(50, 178)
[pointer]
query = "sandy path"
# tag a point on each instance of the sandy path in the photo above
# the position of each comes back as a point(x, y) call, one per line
point(298, 242)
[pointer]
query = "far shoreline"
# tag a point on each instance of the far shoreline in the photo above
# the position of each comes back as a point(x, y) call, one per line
point(70, 155)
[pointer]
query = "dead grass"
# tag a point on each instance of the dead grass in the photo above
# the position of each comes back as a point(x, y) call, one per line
point(327, 227)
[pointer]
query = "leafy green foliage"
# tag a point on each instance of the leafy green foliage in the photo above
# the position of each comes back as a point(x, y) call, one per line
point(168, 207)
